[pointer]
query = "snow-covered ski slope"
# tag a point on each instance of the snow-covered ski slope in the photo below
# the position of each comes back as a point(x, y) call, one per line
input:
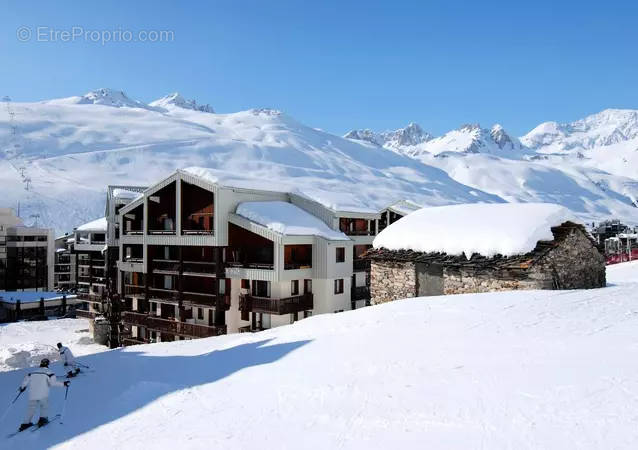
point(523, 370)
point(24, 344)
point(58, 156)
point(67, 151)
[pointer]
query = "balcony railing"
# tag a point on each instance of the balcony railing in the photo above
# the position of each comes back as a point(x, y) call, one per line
point(298, 265)
point(360, 293)
point(359, 232)
point(199, 267)
point(198, 232)
point(134, 259)
point(361, 265)
point(92, 298)
point(172, 326)
point(277, 306)
point(132, 289)
point(133, 232)
point(165, 265)
point(249, 265)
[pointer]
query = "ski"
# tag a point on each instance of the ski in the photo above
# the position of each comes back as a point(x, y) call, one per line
point(51, 420)
point(15, 433)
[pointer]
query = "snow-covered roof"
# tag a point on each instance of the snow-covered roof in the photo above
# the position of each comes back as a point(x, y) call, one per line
point(404, 207)
point(487, 229)
point(125, 194)
point(95, 225)
point(30, 297)
point(287, 219)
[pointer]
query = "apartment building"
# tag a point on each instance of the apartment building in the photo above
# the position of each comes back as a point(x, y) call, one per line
point(199, 257)
point(95, 247)
point(26, 255)
point(64, 272)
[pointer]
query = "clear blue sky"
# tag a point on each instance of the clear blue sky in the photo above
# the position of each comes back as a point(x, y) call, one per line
point(338, 65)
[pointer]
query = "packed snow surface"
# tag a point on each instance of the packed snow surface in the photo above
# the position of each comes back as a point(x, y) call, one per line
point(523, 370)
point(487, 229)
point(287, 219)
point(94, 225)
point(24, 344)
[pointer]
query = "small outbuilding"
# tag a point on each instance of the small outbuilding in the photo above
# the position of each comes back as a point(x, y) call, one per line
point(483, 248)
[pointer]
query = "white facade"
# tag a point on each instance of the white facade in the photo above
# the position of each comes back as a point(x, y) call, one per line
point(184, 215)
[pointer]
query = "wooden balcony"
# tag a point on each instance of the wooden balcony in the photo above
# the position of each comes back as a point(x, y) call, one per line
point(278, 306)
point(174, 327)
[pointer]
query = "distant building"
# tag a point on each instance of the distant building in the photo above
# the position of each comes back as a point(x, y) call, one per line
point(566, 258)
point(26, 255)
point(64, 272)
point(24, 305)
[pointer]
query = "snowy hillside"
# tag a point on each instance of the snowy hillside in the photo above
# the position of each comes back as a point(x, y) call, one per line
point(24, 344)
point(56, 157)
point(525, 370)
point(589, 166)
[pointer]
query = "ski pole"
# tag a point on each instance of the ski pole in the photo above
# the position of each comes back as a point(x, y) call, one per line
point(66, 394)
point(10, 405)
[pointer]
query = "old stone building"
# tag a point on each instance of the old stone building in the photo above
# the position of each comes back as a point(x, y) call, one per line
point(570, 260)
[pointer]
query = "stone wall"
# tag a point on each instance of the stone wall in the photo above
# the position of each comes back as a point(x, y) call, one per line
point(468, 281)
point(390, 280)
point(574, 264)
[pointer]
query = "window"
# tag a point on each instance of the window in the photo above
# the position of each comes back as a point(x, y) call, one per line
point(200, 313)
point(339, 286)
point(294, 287)
point(245, 284)
point(307, 286)
point(341, 254)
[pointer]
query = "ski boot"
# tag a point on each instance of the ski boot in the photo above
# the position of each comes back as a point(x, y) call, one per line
point(43, 421)
point(24, 426)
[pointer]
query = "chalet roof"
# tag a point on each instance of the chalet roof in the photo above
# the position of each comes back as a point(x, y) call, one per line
point(487, 229)
point(520, 261)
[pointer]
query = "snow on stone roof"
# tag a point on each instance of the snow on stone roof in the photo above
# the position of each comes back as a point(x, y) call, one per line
point(487, 229)
point(125, 194)
point(404, 207)
point(287, 219)
point(95, 225)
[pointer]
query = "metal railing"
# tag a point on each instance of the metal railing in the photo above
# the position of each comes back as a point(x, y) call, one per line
point(279, 306)
point(248, 265)
point(174, 327)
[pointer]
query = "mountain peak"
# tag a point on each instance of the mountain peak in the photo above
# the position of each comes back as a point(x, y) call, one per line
point(109, 97)
point(409, 136)
point(176, 100)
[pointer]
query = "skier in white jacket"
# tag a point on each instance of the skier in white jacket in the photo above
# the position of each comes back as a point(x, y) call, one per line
point(39, 382)
point(69, 360)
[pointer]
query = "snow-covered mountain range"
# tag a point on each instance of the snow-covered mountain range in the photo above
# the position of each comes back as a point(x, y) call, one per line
point(58, 156)
point(590, 166)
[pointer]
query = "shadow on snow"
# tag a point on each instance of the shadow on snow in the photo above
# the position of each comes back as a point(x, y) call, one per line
point(124, 382)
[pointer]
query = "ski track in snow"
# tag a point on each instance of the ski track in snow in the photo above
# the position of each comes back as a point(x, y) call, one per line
point(524, 370)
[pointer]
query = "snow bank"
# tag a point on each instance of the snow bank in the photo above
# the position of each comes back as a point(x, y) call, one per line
point(95, 225)
point(287, 219)
point(487, 229)
point(24, 344)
